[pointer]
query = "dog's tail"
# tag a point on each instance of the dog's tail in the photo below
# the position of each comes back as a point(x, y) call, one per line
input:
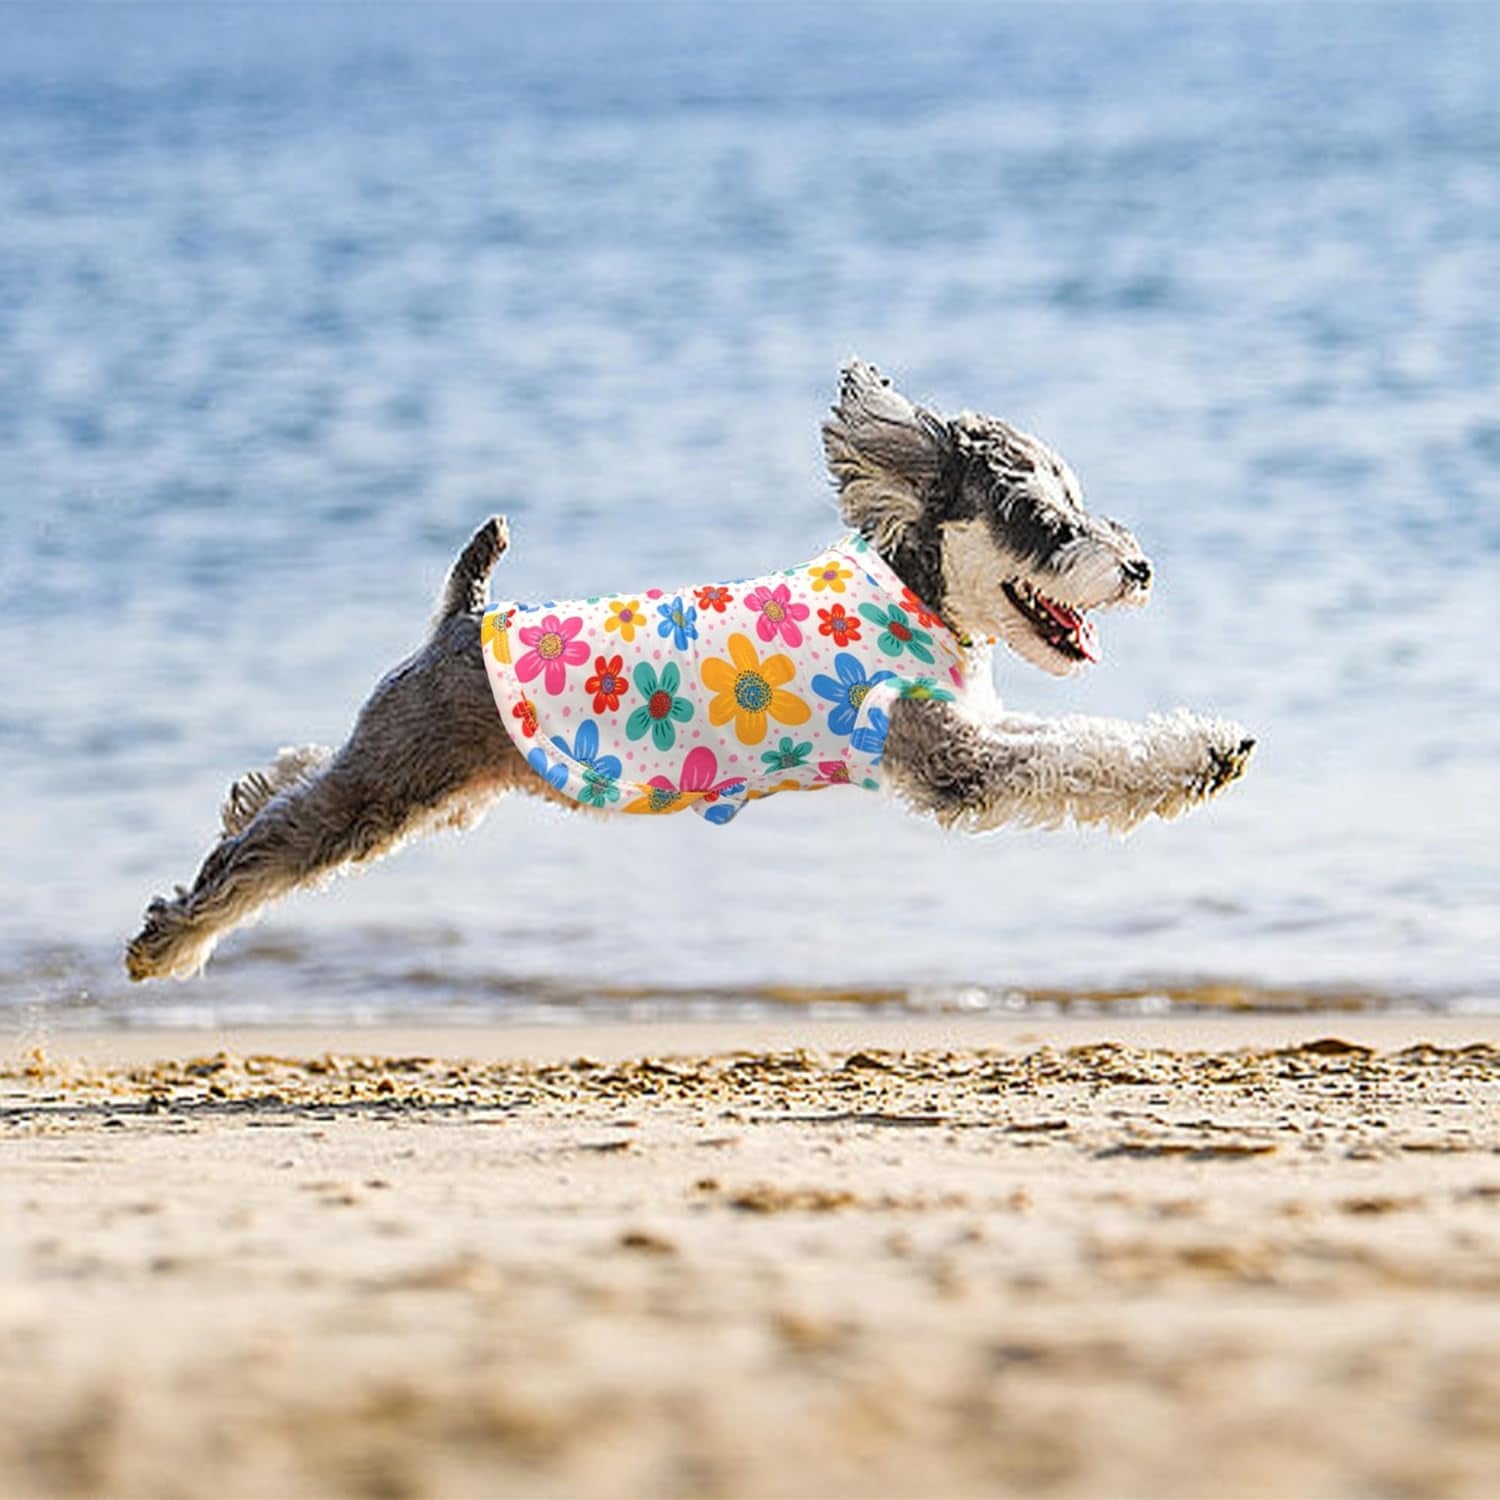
point(467, 588)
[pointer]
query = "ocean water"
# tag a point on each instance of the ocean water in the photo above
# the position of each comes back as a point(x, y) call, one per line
point(291, 298)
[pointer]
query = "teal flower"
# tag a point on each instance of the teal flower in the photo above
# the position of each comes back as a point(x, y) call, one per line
point(898, 632)
point(598, 790)
point(926, 689)
point(663, 710)
point(787, 756)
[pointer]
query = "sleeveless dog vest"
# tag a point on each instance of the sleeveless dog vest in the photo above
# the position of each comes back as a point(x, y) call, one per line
point(713, 695)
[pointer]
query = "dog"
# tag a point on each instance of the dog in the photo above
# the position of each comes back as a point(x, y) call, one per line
point(963, 533)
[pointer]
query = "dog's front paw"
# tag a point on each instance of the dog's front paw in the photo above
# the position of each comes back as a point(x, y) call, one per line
point(1223, 753)
point(1194, 759)
point(1227, 764)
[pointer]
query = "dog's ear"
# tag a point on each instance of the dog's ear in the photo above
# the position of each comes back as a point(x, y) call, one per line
point(887, 456)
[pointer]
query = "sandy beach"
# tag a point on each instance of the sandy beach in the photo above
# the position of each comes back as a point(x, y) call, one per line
point(1238, 1257)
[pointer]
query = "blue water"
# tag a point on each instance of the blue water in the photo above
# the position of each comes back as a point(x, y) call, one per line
point(290, 298)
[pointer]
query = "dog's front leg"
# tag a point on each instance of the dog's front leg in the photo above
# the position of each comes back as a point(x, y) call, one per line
point(1042, 772)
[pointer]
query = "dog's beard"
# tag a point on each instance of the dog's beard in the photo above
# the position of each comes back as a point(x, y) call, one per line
point(1040, 614)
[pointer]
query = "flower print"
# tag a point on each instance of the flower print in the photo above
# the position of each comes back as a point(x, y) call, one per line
point(585, 750)
point(924, 615)
point(525, 711)
point(838, 623)
point(926, 689)
point(494, 632)
point(871, 739)
point(829, 575)
point(778, 615)
point(625, 616)
point(716, 597)
point(898, 634)
point(787, 756)
point(607, 683)
point(663, 797)
point(553, 651)
point(699, 771)
point(791, 784)
point(679, 622)
point(598, 790)
point(696, 782)
point(847, 692)
point(663, 710)
point(833, 773)
point(553, 775)
point(749, 691)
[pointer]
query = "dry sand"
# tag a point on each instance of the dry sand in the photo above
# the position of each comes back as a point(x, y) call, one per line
point(1240, 1258)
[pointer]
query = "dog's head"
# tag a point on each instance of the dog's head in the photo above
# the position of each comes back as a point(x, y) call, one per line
point(985, 523)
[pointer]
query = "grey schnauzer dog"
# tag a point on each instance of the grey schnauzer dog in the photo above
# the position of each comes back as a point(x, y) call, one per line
point(985, 526)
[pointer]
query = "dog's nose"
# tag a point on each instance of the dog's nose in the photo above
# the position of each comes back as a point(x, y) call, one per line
point(1137, 571)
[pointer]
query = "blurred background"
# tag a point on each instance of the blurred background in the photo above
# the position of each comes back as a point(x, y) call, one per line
point(292, 297)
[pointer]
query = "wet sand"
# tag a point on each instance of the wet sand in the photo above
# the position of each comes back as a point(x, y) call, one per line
point(1240, 1257)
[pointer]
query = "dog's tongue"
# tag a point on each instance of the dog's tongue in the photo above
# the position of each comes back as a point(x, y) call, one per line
point(1085, 636)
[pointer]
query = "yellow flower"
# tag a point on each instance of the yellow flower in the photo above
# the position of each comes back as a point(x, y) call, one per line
point(660, 799)
point(494, 633)
point(749, 691)
point(626, 617)
point(829, 576)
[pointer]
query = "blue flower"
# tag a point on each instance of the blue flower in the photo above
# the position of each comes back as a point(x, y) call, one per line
point(585, 750)
point(678, 621)
point(555, 775)
point(848, 692)
point(871, 739)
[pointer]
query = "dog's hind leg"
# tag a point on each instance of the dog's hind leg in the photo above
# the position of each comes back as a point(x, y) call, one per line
point(1041, 772)
point(428, 751)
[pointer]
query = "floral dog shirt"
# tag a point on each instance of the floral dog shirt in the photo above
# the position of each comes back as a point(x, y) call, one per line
point(709, 697)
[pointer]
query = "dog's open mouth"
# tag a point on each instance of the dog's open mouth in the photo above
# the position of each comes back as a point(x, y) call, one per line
point(1062, 627)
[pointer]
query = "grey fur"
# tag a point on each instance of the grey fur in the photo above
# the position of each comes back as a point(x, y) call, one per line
point(979, 519)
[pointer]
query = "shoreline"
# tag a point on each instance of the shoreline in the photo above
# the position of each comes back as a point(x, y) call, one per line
point(1248, 1255)
point(540, 1041)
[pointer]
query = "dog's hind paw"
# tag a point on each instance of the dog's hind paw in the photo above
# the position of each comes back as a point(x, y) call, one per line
point(170, 945)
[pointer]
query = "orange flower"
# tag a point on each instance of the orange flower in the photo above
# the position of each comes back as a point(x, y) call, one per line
point(925, 616)
point(750, 691)
point(841, 626)
point(607, 683)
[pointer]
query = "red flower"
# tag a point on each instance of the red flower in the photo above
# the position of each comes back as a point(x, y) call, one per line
point(714, 597)
point(525, 711)
point(607, 683)
point(925, 616)
point(841, 626)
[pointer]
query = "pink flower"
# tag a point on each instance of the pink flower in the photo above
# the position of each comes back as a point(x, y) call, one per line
point(553, 651)
point(833, 772)
point(696, 782)
point(698, 773)
point(778, 615)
